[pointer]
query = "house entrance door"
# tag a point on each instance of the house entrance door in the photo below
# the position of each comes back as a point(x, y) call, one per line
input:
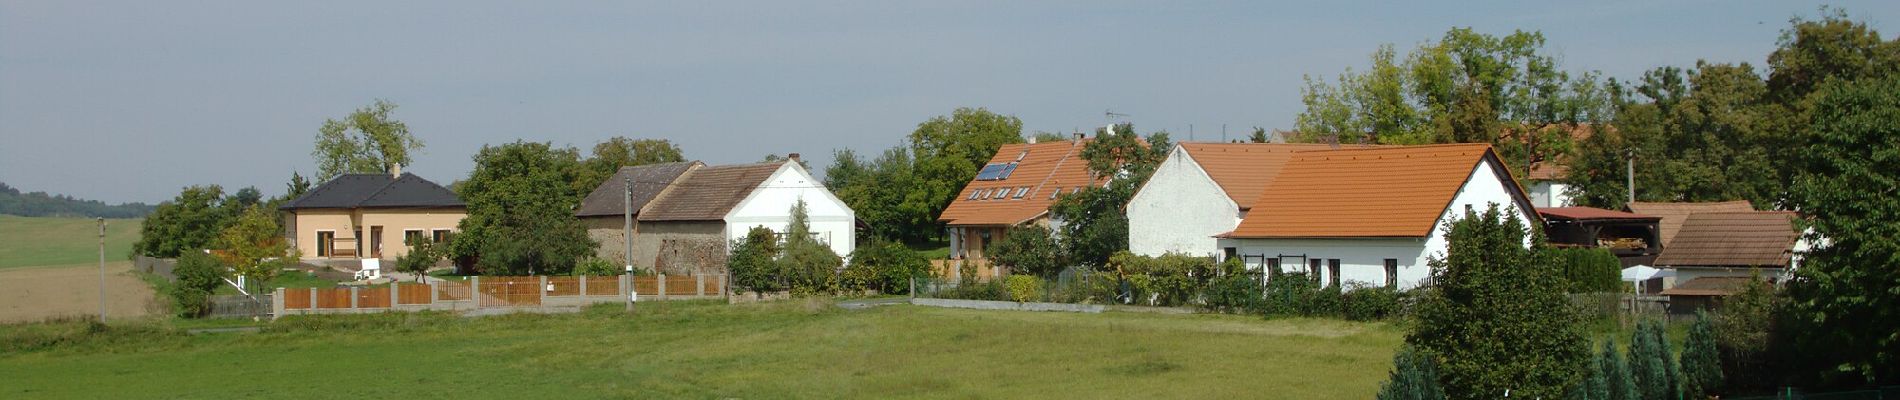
point(376, 241)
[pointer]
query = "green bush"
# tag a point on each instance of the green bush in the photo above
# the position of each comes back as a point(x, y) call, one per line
point(1296, 294)
point(1362, 302)
point(1023, 288)
point(423, 254)
point(84, 332)
point(1029, 250)
point(973, 290)
point(751, 264)
point(1168, 280)
point(199, 274)
point(596, 266)
point(1237, 292)
point(1414, 376)
point(1587, 270)
point(887, 267)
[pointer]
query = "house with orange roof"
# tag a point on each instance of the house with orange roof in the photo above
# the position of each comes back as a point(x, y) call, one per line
point(1202, 190)
point(1371, 215)
point(1016, 187)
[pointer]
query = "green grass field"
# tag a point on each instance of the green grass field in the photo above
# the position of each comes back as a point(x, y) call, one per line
point(41, 241)
point(795, 349)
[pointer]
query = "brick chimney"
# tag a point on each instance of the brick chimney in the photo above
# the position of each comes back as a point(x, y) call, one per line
point(395, 170)
point(793, 157)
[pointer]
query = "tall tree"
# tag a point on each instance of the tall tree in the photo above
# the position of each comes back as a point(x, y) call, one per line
point(1701, 363)
point(881, 192)
point(948, 152)
point(366, 141)
point(520, 212)
point(186, 224)
point(1497, 316)
point(1094, 221)
point(620, 151)
point(1843, 294)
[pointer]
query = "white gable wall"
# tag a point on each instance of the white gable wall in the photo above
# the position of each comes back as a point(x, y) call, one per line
point(1363, 259)
point(771, 204)
point(1179, 210)
point(1548, 194)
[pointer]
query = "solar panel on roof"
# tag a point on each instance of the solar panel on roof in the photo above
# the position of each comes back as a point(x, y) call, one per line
point(1007, 169)
point(991, 172)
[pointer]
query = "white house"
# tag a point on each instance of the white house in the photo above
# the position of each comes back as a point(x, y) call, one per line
point(1371, 215)
point(1202, 190)
point(687, 214)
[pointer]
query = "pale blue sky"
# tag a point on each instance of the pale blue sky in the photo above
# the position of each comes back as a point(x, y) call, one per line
point(129, 101)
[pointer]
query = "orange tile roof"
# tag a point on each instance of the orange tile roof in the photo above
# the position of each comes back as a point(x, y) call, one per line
point(1243, 170)
point(1044, 168)
point(1376, 192)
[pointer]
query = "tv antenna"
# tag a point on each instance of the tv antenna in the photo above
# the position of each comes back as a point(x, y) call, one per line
point(1110, 114)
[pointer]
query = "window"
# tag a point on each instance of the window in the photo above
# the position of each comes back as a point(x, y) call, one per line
point(1312, 269)
point(1332, 269)
point(1020, 192)
point(975, 193)
point(1077, 189)
point(1001, 194)
point(1054, 193)
point(411, 236)
point(1228, 253)
point(1392, 273)
point(326, 240)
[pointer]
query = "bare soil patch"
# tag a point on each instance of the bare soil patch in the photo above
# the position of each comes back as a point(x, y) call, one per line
point(37, 293)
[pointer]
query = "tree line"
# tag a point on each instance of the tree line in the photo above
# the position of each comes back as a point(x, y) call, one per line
point(42, 204)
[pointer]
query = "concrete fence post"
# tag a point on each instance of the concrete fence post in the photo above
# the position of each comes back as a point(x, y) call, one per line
point(313, 301)
point(435, 293)
point(354, 293)
point(475, 292)
point(662, 283)
point(583, 279)
point(725, 287)
point(277, 303)
point(699, 284)
point(542, 289)
point(395, 293)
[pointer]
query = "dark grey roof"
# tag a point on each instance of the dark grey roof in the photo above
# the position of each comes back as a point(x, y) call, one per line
point(648, 180)
point(708, 194)
point(378, 191)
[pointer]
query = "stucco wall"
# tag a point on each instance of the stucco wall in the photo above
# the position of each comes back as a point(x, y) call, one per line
point(306, 224)
point(1363, 259)
point(1179, 209)
point(610, 233)
point(770, 206)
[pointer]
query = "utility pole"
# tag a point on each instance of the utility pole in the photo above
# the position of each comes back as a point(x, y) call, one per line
point(102, 270)
point(626, 200)
point(1630, 173)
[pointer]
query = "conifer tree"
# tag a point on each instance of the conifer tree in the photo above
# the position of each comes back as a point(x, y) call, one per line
point(1414, 377)
point(1618, 385)
point(1701, 363)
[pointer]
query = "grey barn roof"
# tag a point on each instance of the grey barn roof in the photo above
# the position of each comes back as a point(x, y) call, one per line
point(648, 181)
point(376, 191)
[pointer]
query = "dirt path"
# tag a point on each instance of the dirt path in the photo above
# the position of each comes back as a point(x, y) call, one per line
point(38, 293)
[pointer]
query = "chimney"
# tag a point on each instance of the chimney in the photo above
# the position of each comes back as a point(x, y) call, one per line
point(793, 157)
point(395, 170)
point(1080, 135)
point(1032, 139)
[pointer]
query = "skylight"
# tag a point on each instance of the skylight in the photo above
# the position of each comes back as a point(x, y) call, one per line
point(1020, 192)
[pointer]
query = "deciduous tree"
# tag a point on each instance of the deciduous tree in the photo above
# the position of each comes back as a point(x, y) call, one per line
point(368, 140)
point(520, 212)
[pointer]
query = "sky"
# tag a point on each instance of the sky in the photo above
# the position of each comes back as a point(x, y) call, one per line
point(131, 101)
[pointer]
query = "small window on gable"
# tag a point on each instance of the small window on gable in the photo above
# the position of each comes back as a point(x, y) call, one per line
point(1020, 192)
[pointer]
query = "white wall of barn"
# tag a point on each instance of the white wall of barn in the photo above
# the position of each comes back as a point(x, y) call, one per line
point(1179, 210)
point(771, 204)
point(1363, 259)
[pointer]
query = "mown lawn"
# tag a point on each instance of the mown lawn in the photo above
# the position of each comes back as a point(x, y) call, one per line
point(43, 241)
point(797, 349)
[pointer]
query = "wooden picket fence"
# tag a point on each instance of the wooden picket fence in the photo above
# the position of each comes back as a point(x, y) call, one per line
point(494, 292)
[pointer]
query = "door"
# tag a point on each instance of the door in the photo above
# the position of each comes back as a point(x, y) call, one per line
point(376, 241)
point(325, 241)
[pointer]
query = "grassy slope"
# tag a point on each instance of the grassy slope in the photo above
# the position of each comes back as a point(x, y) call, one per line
point(40, 241)
point(788, 349)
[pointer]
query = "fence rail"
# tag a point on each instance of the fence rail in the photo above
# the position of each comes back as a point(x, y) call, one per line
point(492, 292)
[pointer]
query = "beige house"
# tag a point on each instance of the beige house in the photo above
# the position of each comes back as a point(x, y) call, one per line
point(359, 216)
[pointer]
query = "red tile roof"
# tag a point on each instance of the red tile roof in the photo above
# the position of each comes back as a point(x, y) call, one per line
point(1041, 170)
point(1589, 213)
point(1378, 192)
